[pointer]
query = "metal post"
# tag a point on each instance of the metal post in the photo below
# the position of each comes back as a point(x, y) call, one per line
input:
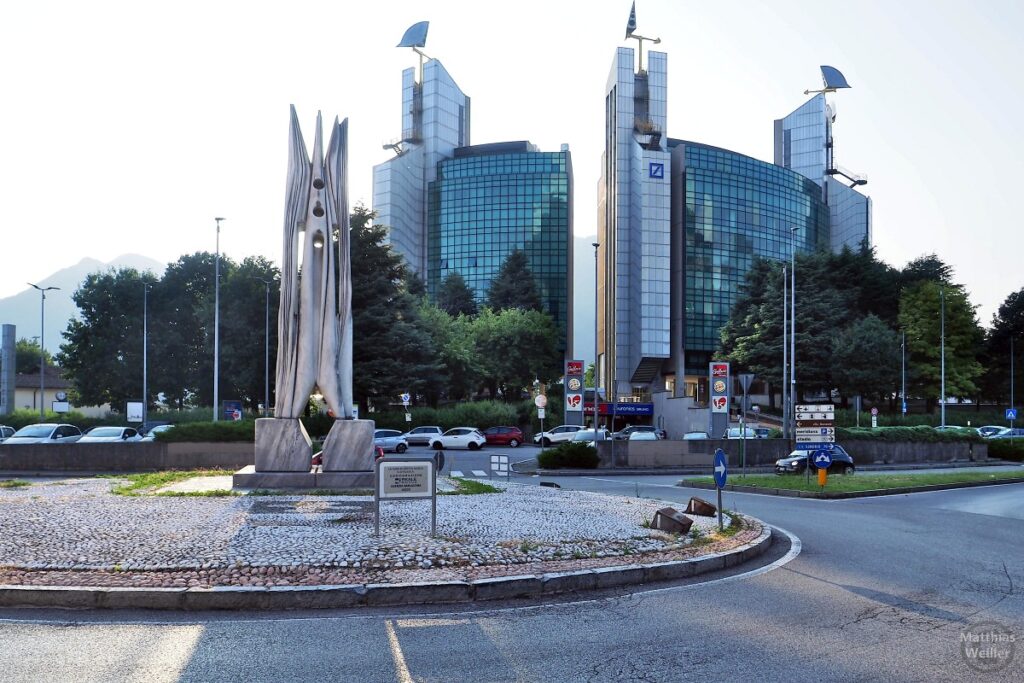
point(942, 332)
point(216, 329)
point(721, 525)
point(597, 306)
point(785, 353)
point(743, 431)
point(266, 353)
point(145, 359)
point(1012, 404)
point(792, 340)
point(903, 373)
point(42, 348)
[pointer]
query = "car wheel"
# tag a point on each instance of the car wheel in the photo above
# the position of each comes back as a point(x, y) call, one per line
point(400, 448)
point(436, 445)
point(848, 469)
point(545, 442)
point(514, 443)
point(474, 446)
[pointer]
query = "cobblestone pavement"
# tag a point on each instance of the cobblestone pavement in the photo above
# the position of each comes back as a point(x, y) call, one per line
point(77, 532)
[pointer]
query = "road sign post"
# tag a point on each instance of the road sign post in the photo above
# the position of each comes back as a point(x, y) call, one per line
point(821, 459)
point(541, 401)
point(746, 379)
point(721, 473)
point(815, 428)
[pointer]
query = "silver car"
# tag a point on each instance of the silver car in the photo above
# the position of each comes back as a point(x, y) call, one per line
point(5, 432)
point(390, 440)
point(110, 435)
point(45, 432)
point(421, 436)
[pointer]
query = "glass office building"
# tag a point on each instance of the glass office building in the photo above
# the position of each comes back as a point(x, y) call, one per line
point(490, 200)
point(733, 209)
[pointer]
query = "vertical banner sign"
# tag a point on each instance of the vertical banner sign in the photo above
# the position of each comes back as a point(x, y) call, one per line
point(574, 392)
point(719, 386)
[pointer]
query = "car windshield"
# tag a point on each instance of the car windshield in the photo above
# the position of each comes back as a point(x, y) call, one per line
point(36, 431)
point(105, 431)
point(798, 454)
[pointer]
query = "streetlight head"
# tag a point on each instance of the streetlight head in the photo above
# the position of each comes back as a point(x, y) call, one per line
point(220, 218)
point(595, 244)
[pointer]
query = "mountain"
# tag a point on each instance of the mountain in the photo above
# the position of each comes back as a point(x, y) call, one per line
point(22, 309)
point(583, 297)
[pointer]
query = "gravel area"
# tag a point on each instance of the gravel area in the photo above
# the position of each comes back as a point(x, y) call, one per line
point(76, 532)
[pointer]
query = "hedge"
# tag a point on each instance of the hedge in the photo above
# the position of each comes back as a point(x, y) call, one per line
point(919, 434)
point(572, 454)
point(244, 430)
point(1006, 449)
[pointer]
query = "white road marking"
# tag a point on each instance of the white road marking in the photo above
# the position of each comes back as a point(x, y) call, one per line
point(479, 473)
point(401, 668)
point(456, 473)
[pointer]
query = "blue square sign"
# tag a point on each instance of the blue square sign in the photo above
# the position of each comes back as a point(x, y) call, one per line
point(656, 170)
point(1011, 413)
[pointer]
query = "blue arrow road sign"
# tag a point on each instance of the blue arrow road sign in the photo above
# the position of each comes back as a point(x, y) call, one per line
point(1011, 413)
point(721, 468)
point(815, 446)
point(821, 459)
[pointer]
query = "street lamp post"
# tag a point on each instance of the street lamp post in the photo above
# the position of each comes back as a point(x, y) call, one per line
point(42, 347)
point(792, 340)
point(216, 328)
point(942, 351)
point(266, 348)
point(145, 350)
point(597, 306)
point(785, 353)
point(903, 373)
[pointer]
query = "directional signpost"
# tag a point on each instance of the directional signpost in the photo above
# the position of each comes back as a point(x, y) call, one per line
point(721, 474)
point(815, 428)
point(405, 403)
point(821, 459)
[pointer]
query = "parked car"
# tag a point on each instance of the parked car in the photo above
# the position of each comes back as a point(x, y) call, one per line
point(45, 432)
point(318, 458)
point(588, 435)
point(762, 432)
point(459, 437)
point(643, 436)
point(5, 432)
point(990, 430)
point(1007, 433)
point(110, 435)
point(695, 436)
point(633, 429)
point(737, 433)
point(156, 429)
point(390, 440)
point(951, 428)
point(797, 462)
point(421, 436)
point(504, 436)
point(559, 434)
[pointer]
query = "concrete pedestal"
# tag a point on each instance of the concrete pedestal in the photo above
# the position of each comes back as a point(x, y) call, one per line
point(282, 445)
point(349, 447)
point(249, 478)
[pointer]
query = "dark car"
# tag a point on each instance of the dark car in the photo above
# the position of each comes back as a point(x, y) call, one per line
point(504, 436)
point(796, 462)
point(623, 435)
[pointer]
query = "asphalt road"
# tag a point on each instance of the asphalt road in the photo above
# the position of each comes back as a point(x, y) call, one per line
point(881, 590)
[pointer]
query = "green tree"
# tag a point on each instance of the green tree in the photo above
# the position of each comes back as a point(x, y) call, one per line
point(514, 286)
point(866, 356)
point(920, 318)
point(455, 297)
point(452, 336)
point(515, 347)
point(1007, 324)
point(392, 353)
point(928, 268)
point(243, 319)
point(102, 354)
point(26, 357)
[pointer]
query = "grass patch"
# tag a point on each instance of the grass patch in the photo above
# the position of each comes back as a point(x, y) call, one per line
point(143, 482)
point(310, 492)
point(213, 493)
point(859, 482)
point(14, 484)
point(469, 487)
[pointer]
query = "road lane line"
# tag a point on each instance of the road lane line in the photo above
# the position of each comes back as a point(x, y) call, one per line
point(401, 668)
point(479, 473)
point(455, 473)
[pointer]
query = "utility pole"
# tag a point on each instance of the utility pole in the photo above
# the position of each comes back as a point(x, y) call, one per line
point(42, 349)
point(216, 328)
point(785, 354)
point(903, 373)
point(145, 349)
point(942, 333)
point(597, 307)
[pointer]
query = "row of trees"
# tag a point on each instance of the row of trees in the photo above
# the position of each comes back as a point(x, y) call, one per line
point(402, 342)
point(853, 313)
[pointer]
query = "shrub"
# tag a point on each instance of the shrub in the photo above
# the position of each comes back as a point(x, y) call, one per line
point(244, 430)
point(481, 414)
point(918, 434)
point(573, 454)
point(1005, 449)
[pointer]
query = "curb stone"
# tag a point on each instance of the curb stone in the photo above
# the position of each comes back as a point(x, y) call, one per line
point(377, 594)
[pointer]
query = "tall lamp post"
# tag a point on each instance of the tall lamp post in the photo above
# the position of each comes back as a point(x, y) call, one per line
point(785, 353)
point(792, 339)
point(903, 373)
point(42, 347)
point(266, 347)
point(597, 306)
point(216, 328)
point(145, 350)
point(942, 346)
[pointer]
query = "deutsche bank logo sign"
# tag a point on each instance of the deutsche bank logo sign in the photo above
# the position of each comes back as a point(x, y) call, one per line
point(656, 170)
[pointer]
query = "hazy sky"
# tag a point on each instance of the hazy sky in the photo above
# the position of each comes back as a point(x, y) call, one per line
point(127, 126)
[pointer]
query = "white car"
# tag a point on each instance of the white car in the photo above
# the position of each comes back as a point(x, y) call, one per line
point(45, 432)
point(737, 433)
point(5, 432)
point(421, 436)
point(643, 436)
point(151, 434)
point(110, 435)
point(587, 435)
point(556, 435)
point(390, 440)
point(695, 436)
point(459, 437)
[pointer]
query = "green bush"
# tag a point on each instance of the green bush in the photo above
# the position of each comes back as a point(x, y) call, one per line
point(24, 417)
point(481, 414)
point(572, 454)
point(242, 431)
point(919, 434)
point(1005, 449)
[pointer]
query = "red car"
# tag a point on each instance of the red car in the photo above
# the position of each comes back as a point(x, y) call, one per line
point(504, 436)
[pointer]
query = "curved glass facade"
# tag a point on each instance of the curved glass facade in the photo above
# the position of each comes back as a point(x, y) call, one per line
point(736, 209)
point(491, 200)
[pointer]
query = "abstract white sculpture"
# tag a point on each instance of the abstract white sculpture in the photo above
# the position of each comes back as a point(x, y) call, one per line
point(315, 319)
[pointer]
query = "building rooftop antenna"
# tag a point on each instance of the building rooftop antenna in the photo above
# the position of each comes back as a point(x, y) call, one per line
point(631, 33)
point(416, 37)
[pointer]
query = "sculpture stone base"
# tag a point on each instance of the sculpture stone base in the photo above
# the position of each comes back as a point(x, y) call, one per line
point(249, 478)
point(282, 445)
point(349, 446)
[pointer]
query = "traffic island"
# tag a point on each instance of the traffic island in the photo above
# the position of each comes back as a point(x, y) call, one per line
point(74, 544)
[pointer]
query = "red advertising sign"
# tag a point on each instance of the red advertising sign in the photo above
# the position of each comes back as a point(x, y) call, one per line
point(574, 367)
point(719, 369)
